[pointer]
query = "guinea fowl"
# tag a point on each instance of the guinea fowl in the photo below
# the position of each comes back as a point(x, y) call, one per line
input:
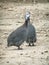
point(17, 37)
point(31, 37)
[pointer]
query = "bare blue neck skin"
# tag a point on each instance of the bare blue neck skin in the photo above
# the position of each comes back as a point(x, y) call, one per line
point(27, 18)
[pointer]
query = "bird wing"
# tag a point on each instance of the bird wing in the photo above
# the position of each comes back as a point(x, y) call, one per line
point(20, 35)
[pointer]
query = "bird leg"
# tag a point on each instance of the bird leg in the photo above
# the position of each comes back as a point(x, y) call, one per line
point(29, 43)
point(33, 44)
point(19, 48)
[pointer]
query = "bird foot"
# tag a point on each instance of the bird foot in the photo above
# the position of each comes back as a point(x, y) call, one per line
point(33, 45)
point(20, 48)
point(29, 45)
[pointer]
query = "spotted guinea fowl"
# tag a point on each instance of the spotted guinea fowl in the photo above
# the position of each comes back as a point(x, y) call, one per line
point(31, 37)
point(17, 37)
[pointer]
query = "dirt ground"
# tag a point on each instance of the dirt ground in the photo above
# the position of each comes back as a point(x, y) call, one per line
point(11, 17)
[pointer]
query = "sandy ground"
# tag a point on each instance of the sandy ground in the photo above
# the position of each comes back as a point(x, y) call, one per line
point(11, 17)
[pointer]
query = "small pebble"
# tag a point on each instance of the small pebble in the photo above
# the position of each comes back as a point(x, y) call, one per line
point(42, 53)
point(21, 54)
point(46, 51)
point(7, 61)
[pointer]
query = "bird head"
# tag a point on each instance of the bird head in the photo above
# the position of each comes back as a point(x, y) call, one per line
point(27, 16)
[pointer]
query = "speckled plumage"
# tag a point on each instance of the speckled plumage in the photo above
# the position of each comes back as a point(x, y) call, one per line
point(31, 37)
